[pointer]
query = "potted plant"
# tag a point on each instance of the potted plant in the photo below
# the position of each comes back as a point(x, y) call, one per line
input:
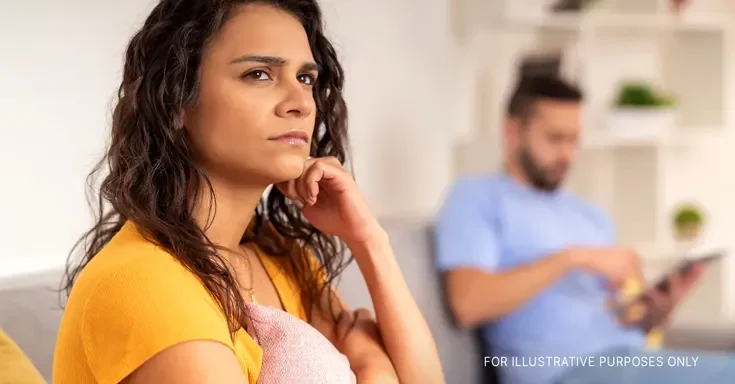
point(641, 112)
point(688, 222)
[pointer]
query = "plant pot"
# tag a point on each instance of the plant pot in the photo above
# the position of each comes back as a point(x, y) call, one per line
point(641, 123)
point(688, 232)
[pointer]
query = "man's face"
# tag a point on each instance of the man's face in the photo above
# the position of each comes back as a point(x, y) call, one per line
point(547, 143)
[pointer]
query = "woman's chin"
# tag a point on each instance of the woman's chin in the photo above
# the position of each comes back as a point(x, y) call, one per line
point(287, 168)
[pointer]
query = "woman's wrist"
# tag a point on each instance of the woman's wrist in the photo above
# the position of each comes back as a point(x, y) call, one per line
point(373, 239)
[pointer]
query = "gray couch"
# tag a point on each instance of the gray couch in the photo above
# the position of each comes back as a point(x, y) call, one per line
point(29, 309)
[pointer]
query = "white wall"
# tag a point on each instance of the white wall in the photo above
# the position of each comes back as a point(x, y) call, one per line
point(60, 68)
point(407, 89)
point(408, 93)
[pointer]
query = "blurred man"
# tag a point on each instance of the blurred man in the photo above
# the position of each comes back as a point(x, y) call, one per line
point(534, 266)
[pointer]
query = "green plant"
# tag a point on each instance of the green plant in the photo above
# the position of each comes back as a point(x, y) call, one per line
point(642, 95)
point(688, 215)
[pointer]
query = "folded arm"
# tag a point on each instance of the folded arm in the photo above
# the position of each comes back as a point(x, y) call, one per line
point(371, 364)
point(407, 337)
point(403, 350)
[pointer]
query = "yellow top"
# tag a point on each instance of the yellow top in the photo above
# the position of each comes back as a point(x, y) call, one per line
point(134, 300)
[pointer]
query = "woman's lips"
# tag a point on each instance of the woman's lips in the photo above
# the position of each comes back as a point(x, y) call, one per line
point(297, 138)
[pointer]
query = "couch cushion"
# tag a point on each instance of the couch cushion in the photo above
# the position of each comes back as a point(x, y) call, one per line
point(30, 313)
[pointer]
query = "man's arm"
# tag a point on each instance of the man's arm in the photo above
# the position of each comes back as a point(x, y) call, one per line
point(469, 252)
point(475, 296)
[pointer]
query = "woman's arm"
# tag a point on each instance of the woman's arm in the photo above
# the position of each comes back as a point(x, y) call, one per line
point(193, 362)
point(397, 345)
point(404, 331)
point(356, 335)
point(331, 201)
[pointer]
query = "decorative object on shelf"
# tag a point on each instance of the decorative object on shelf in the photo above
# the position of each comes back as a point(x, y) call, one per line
point(641, 112)
point(572, 5)
point(688, 222)
point(563, 62)
point(678, 5)
point(540, 64)
point(539, 9)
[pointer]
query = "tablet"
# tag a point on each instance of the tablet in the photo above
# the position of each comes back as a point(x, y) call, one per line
point(639, 303)
point(686, 265)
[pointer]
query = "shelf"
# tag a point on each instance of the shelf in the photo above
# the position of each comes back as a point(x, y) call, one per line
point(598, 139)
point(700, 86)
point(675, 64)
point(576, 22)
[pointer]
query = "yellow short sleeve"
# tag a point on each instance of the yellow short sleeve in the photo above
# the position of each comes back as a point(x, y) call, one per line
point(142, 307)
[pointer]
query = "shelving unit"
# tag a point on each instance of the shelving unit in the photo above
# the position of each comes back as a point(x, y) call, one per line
point(637, 181)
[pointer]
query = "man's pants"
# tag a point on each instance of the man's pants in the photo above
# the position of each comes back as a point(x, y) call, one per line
point(637, 366)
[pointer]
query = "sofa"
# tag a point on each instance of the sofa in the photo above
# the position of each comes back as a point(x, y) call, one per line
point(30, 314)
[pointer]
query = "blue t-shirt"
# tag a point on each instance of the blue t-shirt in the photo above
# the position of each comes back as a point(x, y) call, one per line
point(495, 223)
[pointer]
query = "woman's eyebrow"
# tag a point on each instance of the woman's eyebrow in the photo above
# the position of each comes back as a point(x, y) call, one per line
point(275, 61)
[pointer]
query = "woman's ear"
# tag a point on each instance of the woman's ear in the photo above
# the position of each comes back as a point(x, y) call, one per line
point(186, 118)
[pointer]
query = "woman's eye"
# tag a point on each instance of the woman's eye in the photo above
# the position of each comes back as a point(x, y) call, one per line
point(258, 75)
point(307, 79)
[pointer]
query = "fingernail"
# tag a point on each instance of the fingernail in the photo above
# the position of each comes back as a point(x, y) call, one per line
point(298, 203)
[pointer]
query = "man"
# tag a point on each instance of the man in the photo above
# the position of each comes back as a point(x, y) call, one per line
point(535, 267)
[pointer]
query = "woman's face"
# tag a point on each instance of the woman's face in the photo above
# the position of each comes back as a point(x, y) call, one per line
point(255, 113)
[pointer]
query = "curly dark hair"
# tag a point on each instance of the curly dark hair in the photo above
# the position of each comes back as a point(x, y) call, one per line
point(154, 181)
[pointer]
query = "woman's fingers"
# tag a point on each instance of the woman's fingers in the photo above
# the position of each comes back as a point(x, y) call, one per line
point(306, 187)
point(362, 314)
point(288, 188)
point(309, 181)
point(344, 324)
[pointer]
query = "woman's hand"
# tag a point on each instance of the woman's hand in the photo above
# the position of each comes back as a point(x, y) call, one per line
point(357, 336)
point(331, 201)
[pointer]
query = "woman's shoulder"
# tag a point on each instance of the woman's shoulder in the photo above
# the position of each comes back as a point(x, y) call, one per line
point(132, 282)
point(133, 300)
point(130, 263)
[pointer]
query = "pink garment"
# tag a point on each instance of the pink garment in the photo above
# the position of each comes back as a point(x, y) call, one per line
point(294, 352)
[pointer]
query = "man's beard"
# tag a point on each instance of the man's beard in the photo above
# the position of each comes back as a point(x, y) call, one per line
point(536, 174)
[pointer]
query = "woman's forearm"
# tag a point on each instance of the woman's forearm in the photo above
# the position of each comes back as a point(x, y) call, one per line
point(404, 330)
point(368, 376)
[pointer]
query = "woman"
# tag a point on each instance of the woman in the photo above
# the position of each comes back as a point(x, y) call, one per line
point(220, 100)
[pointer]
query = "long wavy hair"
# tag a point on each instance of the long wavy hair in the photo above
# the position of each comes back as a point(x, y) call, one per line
point(153, 180)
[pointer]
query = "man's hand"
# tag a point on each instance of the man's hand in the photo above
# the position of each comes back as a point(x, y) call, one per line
point(616, 265)
point(662, 303)
point(357, 337)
